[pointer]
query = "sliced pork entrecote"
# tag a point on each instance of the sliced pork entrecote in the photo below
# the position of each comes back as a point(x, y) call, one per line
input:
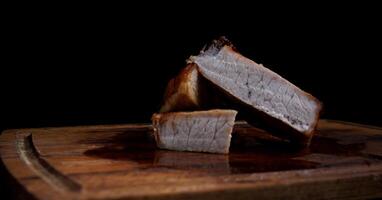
point(288, 111)
point(201, 131)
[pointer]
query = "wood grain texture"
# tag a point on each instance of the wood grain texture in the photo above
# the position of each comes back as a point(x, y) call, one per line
point(122, 162)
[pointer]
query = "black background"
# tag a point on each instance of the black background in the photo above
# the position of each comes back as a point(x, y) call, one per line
point(96, 66)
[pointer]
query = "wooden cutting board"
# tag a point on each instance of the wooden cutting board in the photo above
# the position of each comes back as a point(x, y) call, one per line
point(121, 161)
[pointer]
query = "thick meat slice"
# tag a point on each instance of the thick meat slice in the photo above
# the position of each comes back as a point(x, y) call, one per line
point(288, 111)
point(204, 131)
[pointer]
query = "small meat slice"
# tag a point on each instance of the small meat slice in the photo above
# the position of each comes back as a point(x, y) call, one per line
point(202, 131)
point(270, 99)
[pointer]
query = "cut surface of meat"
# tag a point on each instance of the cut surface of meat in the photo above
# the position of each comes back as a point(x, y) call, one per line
point(201, 131)
point(293, 113)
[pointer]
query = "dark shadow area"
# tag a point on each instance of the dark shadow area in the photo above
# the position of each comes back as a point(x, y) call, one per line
point(72, 70)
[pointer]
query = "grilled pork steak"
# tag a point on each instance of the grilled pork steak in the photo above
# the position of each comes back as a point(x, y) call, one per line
point(203, 131)
point(287, 110)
